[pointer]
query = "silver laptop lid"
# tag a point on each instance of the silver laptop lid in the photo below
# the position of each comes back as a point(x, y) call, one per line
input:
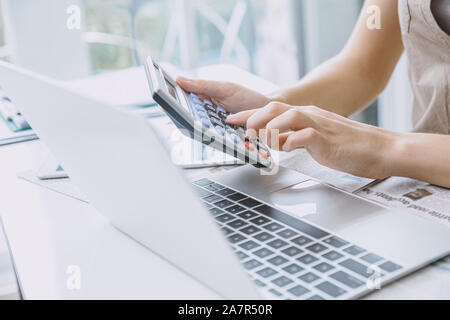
point(116, 159)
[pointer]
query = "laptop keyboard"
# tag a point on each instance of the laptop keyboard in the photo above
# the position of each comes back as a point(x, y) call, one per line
point(287, 257)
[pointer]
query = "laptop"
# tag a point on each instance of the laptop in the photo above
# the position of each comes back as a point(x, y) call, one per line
point(242, 234)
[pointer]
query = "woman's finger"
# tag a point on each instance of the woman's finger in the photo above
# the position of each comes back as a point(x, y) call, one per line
point(301, 139)
point(259, 119)
point(293, 119)
point(202, 87)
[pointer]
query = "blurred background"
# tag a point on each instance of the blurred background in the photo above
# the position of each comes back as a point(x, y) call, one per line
point(279, 40)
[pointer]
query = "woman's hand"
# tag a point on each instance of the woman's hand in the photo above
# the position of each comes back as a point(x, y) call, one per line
point(232, 97)
point(332, 140)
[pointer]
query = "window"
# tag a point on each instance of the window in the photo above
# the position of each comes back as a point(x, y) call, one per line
point(247, 33)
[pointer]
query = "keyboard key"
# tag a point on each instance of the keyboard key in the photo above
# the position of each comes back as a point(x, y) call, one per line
point(301, 241)
point(292, 251)
point(247, 215)
point(287, 233)
point(335, 242)
point(214, 187)
point(201, 192)
point(371, 258)
point(323, 267)
point(216, 211)
point(259, 283)
point(282, 281)
point(263, 252)
point(224, 218)
point(223, 204)
point(291, 221)
point(249, 202)
point(298, 291)
point(309, 277)
point(354, 250)
point(266, 272)
point(278, 260)
point(260, 220)
point(273, 226)
point(252, 264)
point(207, 205)
point(250, 230)
point(235, 238)
point(238, 223)
point(389, 266)
point(241, 255)
point(275, 292)
point(357, 267)
point(236, 196)
point(316, 247)
point(203, 182)
point(307, 259)
point(315, 297)
point(263, 236)
point(331, 289)
point(213, 198)
point(277, 243)
point(225, 192)
point(293, 268)
point(347, 279)
point(332, 255)
point(227, 231)
point(235, 209)
point(249, 245)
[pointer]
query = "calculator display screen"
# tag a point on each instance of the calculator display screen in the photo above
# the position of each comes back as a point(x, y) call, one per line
point(173, 92)
point(171, 89)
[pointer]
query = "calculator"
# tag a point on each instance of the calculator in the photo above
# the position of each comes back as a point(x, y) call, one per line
point(204, 121)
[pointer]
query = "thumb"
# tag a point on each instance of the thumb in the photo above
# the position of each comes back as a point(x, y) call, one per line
point(204, 87)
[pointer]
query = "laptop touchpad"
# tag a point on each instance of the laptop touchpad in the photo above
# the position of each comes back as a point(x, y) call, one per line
point(323, 205)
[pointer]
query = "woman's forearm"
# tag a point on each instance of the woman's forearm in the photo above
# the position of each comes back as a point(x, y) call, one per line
point(422, 156)
point(339, 85)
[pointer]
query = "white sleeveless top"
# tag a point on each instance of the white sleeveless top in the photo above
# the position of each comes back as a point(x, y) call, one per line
point(427, 48)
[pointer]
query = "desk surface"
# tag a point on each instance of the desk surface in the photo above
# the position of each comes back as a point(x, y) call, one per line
point(50, 232)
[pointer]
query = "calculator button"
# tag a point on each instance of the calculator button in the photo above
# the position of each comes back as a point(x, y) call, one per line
point(216, 122)
point(202, 115)
point(206, 123)
point(194, 98)
point(199, 107)
point(249, 146)
point(220, 130)
point(206, 101)
point(234, 138)
point(221, 109)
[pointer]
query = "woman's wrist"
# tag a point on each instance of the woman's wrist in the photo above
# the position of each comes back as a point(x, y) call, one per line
point(398, 154)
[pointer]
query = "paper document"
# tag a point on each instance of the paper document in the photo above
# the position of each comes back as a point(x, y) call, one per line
point(422, 198)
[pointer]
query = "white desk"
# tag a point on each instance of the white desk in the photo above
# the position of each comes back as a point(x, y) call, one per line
point(48, 232)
